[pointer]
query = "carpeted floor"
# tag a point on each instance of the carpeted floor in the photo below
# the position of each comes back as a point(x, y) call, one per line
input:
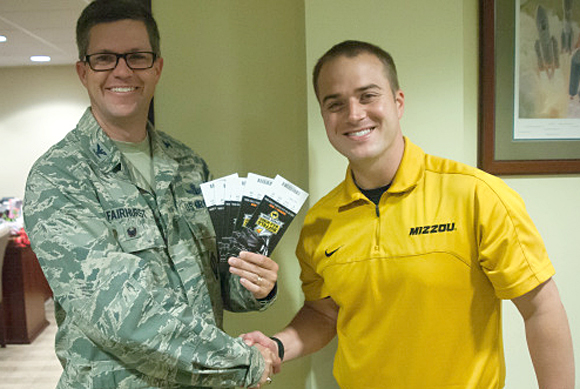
point(32, 366)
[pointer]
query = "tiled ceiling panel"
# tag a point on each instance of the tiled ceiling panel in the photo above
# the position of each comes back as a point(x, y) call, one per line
point(39, 27)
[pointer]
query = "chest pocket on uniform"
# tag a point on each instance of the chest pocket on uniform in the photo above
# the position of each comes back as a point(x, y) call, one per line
point(135, 229)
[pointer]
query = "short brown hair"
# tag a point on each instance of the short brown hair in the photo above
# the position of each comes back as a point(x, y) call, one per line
point(351, 49)
point(105, 11)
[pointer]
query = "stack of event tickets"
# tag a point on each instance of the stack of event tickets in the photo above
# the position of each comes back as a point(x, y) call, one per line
point(251, 214)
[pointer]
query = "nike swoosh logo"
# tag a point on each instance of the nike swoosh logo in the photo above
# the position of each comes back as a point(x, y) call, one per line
point(328, 254)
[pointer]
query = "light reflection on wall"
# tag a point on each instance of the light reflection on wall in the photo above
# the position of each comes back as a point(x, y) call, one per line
point(39, 107)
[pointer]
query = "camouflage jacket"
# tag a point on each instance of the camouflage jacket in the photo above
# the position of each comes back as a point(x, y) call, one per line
point(138, 294)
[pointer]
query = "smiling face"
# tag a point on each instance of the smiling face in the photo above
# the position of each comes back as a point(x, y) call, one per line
point(360, 113)
point(120, 97)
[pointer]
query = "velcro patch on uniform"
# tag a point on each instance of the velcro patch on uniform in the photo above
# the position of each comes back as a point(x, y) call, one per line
point(123, 213)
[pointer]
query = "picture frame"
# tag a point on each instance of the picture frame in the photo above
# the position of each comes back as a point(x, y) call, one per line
point(498, 152)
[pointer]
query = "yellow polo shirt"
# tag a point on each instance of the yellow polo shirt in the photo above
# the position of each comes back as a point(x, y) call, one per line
point(419, 278)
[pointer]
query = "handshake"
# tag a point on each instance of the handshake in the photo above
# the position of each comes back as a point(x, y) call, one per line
point(272, 350)
point(313, 327)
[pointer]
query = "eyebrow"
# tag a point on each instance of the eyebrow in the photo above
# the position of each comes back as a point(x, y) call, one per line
point(133, 50)
point(358, 90)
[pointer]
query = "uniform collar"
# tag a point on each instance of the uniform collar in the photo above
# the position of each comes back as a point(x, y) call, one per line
point(106, 155)
point(102, 150)
point(410, 173)
point(161, 144)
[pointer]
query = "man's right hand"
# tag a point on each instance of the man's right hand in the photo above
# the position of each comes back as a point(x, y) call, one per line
point(270, 359)
point(258, 338)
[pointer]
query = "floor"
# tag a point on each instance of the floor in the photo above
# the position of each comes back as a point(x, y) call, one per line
point(31, 365)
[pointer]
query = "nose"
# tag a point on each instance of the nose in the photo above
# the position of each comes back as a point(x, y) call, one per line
point(356, 111)
point(122, 68)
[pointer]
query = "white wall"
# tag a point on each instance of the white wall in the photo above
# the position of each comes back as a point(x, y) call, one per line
point(40, 104)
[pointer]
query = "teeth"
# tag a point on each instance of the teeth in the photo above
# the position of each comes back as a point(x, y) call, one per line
point(123, 89)
point(361, 132)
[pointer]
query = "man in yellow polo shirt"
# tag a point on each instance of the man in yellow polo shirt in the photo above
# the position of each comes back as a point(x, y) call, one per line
point(408, 259)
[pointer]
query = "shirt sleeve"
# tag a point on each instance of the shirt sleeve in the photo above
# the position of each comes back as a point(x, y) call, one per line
point(511, 250)
point(313, 284)
point(236, 298)
point(115, 298)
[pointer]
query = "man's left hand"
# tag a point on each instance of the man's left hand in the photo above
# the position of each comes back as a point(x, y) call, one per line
point(257, 272)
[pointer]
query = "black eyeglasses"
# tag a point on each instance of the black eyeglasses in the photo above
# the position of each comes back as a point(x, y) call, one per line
point(101, 62)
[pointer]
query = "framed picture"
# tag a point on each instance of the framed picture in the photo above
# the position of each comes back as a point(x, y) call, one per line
point(529, 119)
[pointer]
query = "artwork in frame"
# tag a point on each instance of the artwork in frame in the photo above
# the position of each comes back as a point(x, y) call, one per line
point(529, 120)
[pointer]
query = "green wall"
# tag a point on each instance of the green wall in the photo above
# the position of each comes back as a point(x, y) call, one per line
point(233, 88)
point(236, 87)
point(434, 44)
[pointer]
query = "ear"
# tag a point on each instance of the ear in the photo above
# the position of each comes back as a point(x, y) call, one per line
point(82, 71)
point(158, 66)
point(400, 102)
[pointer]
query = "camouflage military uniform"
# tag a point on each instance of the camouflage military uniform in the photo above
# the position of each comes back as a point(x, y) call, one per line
point(138, 297)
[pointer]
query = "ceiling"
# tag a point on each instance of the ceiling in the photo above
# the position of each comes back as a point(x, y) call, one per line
point(39, 27)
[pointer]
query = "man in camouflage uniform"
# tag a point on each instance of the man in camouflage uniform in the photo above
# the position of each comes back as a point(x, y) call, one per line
point(115, 215)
